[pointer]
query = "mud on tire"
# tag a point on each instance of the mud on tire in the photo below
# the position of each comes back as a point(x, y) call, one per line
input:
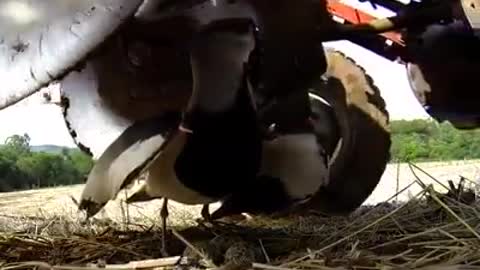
point(362, 123)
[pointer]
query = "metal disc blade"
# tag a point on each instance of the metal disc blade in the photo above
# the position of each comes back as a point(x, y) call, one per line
point(41, 40)
point(417, 82)
point(92, 124)
point(104, 98)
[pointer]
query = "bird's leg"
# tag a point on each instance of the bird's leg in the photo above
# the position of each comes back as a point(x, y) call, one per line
point(164, 216)
point(206, 213)
point(206, 217)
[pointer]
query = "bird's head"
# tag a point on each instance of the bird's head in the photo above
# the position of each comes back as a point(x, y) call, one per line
point(219, 54)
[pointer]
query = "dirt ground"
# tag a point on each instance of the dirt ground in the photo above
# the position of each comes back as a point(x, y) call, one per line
point(44, 226)
point(441, 171)
point(58, 201)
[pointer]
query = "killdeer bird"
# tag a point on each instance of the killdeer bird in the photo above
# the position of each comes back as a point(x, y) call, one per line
point(216, 146)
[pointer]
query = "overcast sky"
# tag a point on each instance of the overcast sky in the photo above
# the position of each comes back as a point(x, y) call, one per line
point(45, 125)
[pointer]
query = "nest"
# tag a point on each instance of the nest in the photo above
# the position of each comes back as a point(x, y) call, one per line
point(431, 231)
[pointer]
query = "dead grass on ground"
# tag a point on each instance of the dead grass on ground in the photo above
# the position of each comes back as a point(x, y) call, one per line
point(431, 231)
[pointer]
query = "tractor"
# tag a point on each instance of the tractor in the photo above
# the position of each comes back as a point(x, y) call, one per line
point(121, 61)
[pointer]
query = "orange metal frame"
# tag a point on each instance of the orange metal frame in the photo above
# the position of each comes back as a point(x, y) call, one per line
point(355, 16)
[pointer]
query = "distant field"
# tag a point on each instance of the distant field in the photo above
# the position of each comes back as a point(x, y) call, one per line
point(57, 201)
point(442, 171)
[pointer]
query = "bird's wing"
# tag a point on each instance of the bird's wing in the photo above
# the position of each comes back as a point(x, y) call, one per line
point(125, 159)
point(141, 195)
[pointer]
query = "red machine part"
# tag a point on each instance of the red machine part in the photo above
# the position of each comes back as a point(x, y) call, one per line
point(356, 16)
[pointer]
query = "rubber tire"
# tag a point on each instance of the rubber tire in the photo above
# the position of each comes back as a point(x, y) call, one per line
point(363, 125)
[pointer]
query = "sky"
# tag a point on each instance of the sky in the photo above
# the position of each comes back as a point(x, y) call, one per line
point(45, 125)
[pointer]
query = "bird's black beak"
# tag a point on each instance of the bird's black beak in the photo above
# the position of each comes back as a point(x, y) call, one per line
point(90, 208)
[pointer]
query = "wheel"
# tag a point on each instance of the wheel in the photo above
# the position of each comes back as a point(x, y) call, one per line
point(361, 135)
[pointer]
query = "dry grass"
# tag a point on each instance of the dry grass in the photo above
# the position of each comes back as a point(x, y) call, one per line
point(430, 231)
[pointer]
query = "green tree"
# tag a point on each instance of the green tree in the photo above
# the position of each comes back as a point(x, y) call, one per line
point(19, 144)
point(81, 161)
point(21, 168)
point(426, 140)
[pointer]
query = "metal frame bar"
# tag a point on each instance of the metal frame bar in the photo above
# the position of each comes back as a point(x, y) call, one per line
point(356, 16)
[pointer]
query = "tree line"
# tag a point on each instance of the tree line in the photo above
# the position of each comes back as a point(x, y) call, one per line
point(21, 168)
point(428, 140)
point(418, 140)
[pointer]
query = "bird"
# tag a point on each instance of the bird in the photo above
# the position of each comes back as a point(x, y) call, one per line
point(126, 158)
point(207, 154)
point(294, 166)
point(293, 169)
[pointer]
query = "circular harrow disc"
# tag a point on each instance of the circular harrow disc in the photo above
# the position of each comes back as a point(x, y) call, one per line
point(417, 82)
point(105, 97)
point(363, 151)
point(443, 73)
point(40, 41)
point(91, 123)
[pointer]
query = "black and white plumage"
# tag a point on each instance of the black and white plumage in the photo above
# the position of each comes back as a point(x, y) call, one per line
point(125, 159)
point(192, 167)
point(224, 145)
point(206, 165)
point(217, 145)
point(293, 168)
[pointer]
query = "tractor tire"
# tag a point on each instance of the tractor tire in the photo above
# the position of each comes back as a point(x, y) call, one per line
point(363, 144)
